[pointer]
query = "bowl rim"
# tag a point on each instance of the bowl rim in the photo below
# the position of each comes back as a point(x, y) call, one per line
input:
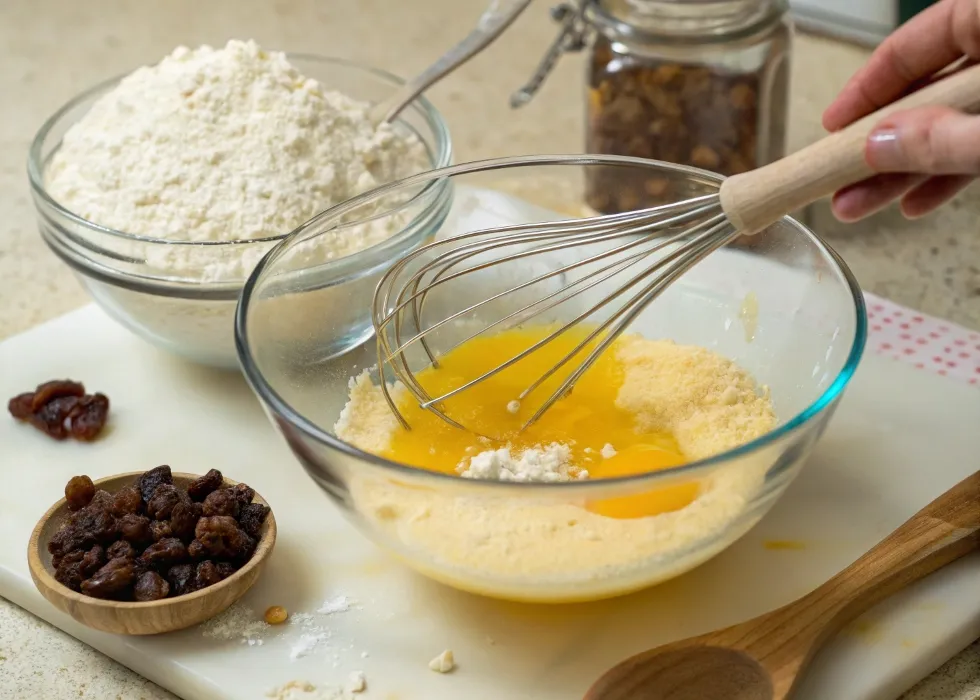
point(441, 156)
point(283, 409)
point(35, 551)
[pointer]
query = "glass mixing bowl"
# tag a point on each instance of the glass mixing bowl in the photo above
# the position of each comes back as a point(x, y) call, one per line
point(186, 311)
point(786, 309)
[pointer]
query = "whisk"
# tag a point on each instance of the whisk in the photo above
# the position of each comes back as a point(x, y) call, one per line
point(640, 253)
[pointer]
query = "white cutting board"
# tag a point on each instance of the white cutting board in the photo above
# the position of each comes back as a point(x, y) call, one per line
point(899, 439)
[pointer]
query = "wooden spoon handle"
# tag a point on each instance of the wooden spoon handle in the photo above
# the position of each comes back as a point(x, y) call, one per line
point(937, 535)
point(758, 198)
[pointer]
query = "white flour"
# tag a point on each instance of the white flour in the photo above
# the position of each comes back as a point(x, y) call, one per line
point(546, 463)
point(225, 144)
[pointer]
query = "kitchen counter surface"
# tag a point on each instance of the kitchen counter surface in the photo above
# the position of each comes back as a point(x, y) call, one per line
point(51, 49)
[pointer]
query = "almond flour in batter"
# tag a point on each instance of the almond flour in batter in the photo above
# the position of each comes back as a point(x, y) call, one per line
point(499, 543)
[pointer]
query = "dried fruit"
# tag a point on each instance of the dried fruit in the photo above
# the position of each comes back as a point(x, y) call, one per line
point(52, 417)
point(222, 537)
point(20, 406)
point(111, 581)
point(712, 116)
point(160, 530)
point(181, 578)
point(150, 480)
point(184, 518)
point(88, 416)
point(199, 489)
point(120, 550)
point(107, 549)
point(55, 389)
point(163, 500)
point(165, 553)
point(275, 615)
point(150, 586)
point(226, 569)
point(127, 500)
point(61, 408)
point(196, 550)
point(222, 502)
point(206, 574)
point(244, 493)
point(93, 560)
point(79, 492)
point(251, 518)
point(135, 529)
point(68, 570)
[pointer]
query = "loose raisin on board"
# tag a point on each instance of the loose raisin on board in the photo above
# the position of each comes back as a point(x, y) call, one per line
point(79, 492)
point(199, 489)
point(111, 581)
point(165, 553)
point(163, 500)
point(150, 586)
point(51, 417)
point(244, 493)
point(127, 500)
point(93, 560)
point(181, 578)
point(206, 574)
point(68, 570)
point(222, 502)
point(222, 537)
point(55, 389)
point(88, 417)
point(196, 550)
point(183, 518)
point(20, 406)
point(160, 530)
point(251, 518)
point(225, 569)
point(150, 480)
point(135, 529)
point(120, 550)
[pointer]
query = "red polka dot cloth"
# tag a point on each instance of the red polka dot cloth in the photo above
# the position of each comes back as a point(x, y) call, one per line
point(928, 343)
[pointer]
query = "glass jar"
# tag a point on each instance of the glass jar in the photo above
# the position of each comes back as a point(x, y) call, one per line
point(697, 82)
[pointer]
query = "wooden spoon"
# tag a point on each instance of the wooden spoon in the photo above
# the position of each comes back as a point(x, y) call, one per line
point(763, 658)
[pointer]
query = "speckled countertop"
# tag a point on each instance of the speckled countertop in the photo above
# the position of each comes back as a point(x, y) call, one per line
point(52, 49)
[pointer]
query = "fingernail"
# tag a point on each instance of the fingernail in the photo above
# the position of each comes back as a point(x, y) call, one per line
point(884, 151)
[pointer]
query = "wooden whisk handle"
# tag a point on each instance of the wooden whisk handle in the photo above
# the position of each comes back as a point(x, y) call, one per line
point(755, 199)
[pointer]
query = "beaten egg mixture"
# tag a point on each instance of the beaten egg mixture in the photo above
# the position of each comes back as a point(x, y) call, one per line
point(659, 404)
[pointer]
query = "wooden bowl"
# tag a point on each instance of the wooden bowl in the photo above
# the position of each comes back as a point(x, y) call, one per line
point(153, 617)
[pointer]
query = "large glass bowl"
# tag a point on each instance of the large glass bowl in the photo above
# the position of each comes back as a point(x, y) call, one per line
point(185, 311)
point(786, 309)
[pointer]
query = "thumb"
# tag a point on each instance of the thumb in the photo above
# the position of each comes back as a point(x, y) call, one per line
point(927, 140)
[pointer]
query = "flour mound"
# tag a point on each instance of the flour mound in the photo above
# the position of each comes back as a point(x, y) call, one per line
point(548, 463)
point(223, 144)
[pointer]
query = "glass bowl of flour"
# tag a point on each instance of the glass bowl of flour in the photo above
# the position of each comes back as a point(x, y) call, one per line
point(740, 363)
point(163, 189)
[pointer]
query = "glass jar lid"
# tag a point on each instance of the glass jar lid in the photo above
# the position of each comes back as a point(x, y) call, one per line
point(668, 21)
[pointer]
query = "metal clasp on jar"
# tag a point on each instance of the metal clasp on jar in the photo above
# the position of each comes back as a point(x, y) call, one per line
point(572, 37)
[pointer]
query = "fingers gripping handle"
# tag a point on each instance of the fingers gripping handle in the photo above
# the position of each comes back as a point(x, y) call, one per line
point(755, 199)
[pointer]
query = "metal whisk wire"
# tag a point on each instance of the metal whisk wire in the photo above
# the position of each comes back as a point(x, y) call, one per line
point(649, 231)
point(745, 204)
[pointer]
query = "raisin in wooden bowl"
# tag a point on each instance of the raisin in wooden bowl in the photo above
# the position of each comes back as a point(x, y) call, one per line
point(155, 616)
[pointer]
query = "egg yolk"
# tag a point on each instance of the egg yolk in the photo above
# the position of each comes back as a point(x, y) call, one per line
point(587, 419)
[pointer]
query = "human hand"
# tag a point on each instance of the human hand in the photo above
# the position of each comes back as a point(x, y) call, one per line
point(923, 156)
